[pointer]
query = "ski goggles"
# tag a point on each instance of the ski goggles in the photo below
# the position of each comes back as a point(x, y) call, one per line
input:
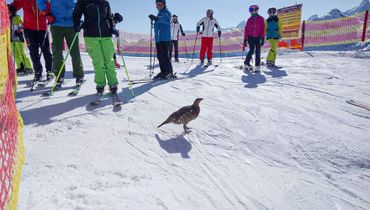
point(253, 9)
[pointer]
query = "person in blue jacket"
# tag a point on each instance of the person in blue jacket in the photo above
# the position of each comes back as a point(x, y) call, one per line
point(162, 33)
point(61, 20)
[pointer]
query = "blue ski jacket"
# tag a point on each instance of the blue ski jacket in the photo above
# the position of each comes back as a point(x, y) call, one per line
point(162, 26)
point(61, 9)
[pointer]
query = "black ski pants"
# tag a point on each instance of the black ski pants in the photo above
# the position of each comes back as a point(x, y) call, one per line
point(163, 56)
point(254, 45)
point(35, 40)
point(174, 44)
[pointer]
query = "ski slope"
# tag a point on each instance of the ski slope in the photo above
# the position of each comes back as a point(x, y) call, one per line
point(283, 139)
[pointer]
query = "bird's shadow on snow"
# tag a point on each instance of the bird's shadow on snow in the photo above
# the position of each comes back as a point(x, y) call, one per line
point(253, 80)
point(175, 145)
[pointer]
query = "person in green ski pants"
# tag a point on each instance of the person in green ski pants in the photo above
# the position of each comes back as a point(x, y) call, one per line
point(98, 29)
point(17, 44)
point(60, 18)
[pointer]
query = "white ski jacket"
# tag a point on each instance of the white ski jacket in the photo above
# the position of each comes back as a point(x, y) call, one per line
point(208, 26)
point(176, 30)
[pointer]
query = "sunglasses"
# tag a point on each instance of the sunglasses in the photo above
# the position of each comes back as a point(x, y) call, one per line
point(160, 4)
point(253, 10)
point(272, 13)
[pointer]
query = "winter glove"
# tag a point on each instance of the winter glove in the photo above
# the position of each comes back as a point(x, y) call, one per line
point(198, 29)
point(77, 28)
point(262, 41)
point(246, 42)
point(153, 17)
point(219, 34)
point(18, 33)
point(183, 34)
point(115, 31)
point(12, 9)
point(117, 18)
point(50, 18)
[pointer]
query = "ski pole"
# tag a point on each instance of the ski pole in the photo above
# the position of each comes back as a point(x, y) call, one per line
point(42, 46)
point(126, 70)
point(219, 41)
point(151, 49)
point(63, 64)
point(195, 43)
point(186, 50)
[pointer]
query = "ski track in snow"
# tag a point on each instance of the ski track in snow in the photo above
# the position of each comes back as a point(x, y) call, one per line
point(282, 139)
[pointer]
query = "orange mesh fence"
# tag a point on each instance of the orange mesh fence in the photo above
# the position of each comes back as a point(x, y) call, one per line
point(11, 125)
point(340, 33)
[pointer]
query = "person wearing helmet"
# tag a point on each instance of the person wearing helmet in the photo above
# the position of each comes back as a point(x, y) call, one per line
point(254, 37)
point(162, 34)
point(208, 23)
point(273, 34)
point(17, 43)
point(176, 30)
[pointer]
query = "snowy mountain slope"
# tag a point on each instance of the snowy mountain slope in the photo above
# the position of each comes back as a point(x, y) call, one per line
point(279, 140)
point(336, 13)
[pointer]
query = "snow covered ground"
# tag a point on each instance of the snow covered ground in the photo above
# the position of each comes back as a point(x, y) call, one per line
point(284, 139)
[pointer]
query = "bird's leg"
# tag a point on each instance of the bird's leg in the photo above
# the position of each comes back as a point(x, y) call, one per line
point(186, 129)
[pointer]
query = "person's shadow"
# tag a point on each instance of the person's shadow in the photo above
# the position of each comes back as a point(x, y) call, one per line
point(197, 70)
point(276, 73)
point(253, 80)
point(175, 145)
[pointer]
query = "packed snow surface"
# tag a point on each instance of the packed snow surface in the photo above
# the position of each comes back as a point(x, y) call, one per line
point(281, 139)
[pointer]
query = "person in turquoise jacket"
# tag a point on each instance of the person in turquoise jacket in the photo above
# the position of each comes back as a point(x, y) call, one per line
point(273, 35)
point(162, 33)
point(60, 16)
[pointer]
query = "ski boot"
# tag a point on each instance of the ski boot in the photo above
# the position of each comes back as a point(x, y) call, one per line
point(177, 60)
point(49, 76)
point(116, 101)
point(209, 62)
point(79, 81)
point(247, 68)
point(257, 69)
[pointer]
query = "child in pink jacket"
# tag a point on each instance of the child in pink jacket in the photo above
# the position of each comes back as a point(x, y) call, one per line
point(254, 36)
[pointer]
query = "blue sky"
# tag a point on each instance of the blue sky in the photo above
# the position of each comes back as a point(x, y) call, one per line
point(228, 12)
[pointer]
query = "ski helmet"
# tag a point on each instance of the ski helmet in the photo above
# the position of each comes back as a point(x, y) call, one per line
point(209, 12)
point(161, 1)
point(253, 8)
point(117, 17)
point(271, 10)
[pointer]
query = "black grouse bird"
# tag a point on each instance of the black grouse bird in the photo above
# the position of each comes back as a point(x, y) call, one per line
point(184, 115)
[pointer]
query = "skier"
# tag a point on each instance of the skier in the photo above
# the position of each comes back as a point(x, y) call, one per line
point(208, 23)
point(162, 31)
point(98, 29)
point(17, 43)
point(60, 18)
point(274, 34)
point(35, 31)
point(176, 29)
point(254, 36)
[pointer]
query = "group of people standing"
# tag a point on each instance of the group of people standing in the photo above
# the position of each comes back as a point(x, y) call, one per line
point(64, 19)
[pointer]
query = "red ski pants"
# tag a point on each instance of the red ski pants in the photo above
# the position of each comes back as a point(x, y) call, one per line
point(207, 46)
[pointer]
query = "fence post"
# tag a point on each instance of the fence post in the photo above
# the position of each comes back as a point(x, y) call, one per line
point(303, 34)
point(365, 26)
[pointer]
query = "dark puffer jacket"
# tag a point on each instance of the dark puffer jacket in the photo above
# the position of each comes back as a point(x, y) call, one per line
point(97, 14)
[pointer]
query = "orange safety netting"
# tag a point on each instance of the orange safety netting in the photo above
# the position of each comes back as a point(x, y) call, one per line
point(11, 125)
